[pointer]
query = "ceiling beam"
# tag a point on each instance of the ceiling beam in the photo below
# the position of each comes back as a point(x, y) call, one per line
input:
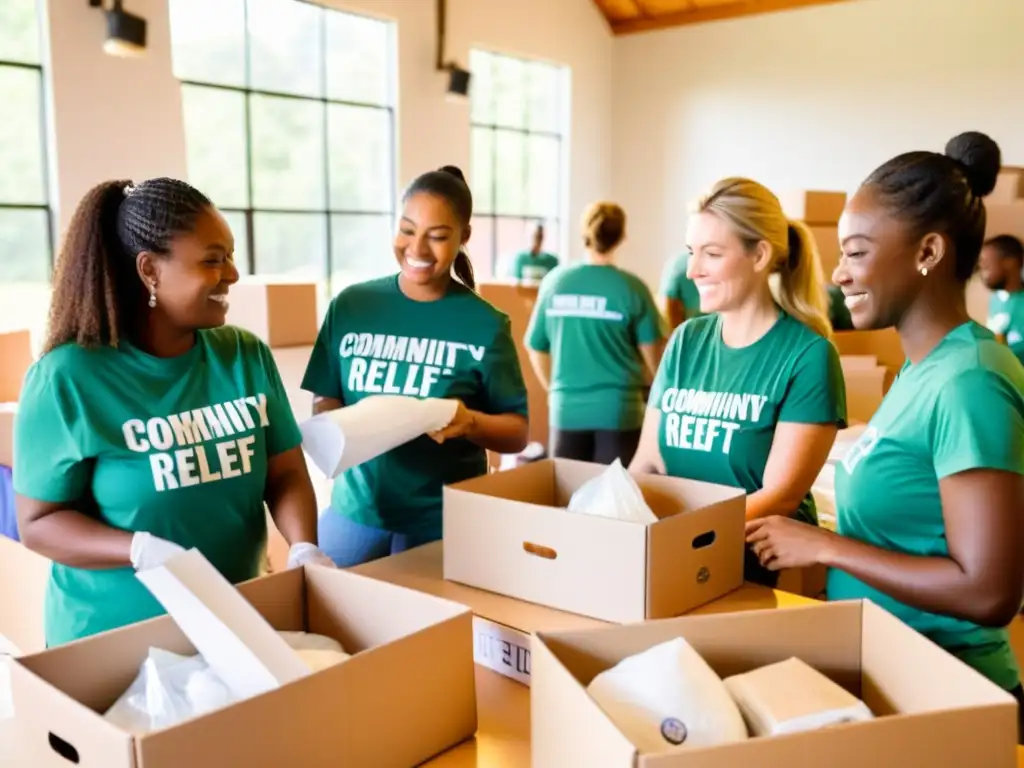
point(713, 13)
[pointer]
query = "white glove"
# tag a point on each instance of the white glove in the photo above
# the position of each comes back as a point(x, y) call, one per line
point(149, 551)
point(303, 553)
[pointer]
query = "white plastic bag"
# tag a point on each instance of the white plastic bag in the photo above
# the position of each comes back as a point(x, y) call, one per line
point(344, 438)
point(667, 698)
point(614, 493)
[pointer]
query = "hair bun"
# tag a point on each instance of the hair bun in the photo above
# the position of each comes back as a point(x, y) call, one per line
point(980, 158)
point(454, 170)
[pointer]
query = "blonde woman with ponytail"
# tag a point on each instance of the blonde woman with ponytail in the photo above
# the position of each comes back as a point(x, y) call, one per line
point(751, 394)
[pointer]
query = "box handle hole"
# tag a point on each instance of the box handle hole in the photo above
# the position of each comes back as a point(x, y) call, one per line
point(704, 540)
point(65, 750)
point(540, 551)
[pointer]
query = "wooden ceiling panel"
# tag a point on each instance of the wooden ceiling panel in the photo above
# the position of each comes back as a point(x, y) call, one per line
point(629, 16)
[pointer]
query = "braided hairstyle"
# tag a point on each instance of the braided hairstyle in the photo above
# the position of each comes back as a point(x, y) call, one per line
point(449, 184)
point(96, 286)
point(943, 193)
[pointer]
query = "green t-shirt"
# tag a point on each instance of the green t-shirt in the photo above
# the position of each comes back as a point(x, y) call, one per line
point(1006, 317)
point(176, 446)
point(720, 405)
point(592, 319)
point(530, 268)
point(838, 313)
point(677, 286)
point(961, 408)
point(375, 340)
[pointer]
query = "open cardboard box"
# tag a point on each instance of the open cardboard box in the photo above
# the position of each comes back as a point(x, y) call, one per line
point(407, 695)
point(931, 709)
point(509, 532)
point(24, 575)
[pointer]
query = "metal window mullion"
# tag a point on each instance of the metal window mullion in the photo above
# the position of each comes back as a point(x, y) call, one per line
point(250, 225)
point(328, 254)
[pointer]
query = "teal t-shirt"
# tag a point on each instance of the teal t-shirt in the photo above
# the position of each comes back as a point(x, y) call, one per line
point(720, 405)
point(176, 446)
point(677, 286)
point(838, 314)
point(532, 268)
point(1006, 318)
point(375, 340)
point(592, 319)
point(961, 408)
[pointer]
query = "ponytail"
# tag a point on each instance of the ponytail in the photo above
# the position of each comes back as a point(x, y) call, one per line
point(463, 269)
point(801, 290)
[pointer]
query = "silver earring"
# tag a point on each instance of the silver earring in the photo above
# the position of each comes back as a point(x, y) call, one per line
point(924, 271)
point(152, 296)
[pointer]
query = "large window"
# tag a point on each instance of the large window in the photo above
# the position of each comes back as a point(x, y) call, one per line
point(25, 227)
point(518, 129)
point(289, 124)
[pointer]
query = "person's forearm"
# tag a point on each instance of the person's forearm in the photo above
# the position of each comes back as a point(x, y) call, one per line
point(292, 504)
point(504, 433)
point(70, 538)
point(767, 502)
point(540, 362)
point(933, 584)
point(324, 404)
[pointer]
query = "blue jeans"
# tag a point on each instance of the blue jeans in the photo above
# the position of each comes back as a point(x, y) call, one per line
point(349, 543)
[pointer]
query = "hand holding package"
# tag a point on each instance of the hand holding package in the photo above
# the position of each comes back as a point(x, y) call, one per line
point(667, 698)
point(346, 437)
point(303, 553)
point(149, 551)
point(615, 494)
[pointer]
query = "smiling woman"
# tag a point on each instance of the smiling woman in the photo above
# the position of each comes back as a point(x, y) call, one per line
point(147, 427)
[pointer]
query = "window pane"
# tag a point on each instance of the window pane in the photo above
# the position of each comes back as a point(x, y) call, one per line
point(481, 87)
point(358, 58)
point(216, 141)
point(510, 149)
point(287, 153)
point(24, 245)
point(514, 235)
point(236, 220)
point(208, 40)
point(361, 249)
point(509, 88)
point(286, 47)
point(22, 178)
point(481, 250)
point(19, 31)
point(291, 246)
point(553, 239)
point(360, 158)
point(543, 166)
point(543, 83)
point(482, 170)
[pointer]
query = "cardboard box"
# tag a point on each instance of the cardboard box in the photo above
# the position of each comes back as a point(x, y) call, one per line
point(826, 237)
point(508, 532)
point(866, 385)
point(813, 207)
point(1009, 187)
point(406, 696)
point(282, 314)
point(24, 576)
point(8, 413)
point(931, 709)
point(15, 360)
point(883, 345)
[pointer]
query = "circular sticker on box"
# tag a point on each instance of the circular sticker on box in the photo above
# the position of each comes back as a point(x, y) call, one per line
point(673, 730)
point(703, 575)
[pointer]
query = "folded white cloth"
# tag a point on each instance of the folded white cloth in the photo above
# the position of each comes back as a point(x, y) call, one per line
point(668, 698)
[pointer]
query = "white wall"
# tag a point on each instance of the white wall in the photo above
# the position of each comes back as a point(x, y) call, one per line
point(805, 99)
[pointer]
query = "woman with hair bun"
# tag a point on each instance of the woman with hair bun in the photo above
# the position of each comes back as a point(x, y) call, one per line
point(594, 341)
point(929, 498)
point(423, 332)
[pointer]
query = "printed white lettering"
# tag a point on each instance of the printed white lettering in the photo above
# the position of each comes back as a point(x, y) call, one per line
point(133, 429)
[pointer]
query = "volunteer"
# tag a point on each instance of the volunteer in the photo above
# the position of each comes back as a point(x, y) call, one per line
point(594, 340)
point(530, 267)
point(423, 332)
point(929, 498)
point(678, 294)
point(147, 426)
point(753, 395)
point(1002, 260)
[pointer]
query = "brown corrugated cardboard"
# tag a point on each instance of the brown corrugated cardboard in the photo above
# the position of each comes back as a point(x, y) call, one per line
point(406, 695)
point(282, 314)
point(866, 384)
point(813, 207)
point(826, 237)
point(508, 532)
point(15, 359)
point(931, 709)
point(24, 576)
point(884, 345)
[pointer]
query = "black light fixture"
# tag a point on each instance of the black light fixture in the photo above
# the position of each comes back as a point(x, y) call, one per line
point(126, 32)
point(458, 78)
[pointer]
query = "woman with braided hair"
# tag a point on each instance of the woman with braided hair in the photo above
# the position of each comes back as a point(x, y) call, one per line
point(147, 425)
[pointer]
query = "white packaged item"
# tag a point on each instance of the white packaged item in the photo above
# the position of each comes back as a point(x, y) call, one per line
point(667, 698)
point(615, 494)
point(791, 696)
point(346, 437)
